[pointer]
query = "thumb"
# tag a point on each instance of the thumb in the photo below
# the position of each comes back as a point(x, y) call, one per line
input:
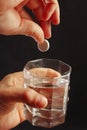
point(30, 28)
point(12, 91)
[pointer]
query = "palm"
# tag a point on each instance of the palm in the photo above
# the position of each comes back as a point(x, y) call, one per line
point(12, 118)
point(11, 112)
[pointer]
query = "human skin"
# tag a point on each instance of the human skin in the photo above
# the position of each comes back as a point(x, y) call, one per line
point(13, 96)
point(14, 20)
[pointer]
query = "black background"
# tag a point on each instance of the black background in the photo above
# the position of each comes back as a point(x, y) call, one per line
point(68, 43)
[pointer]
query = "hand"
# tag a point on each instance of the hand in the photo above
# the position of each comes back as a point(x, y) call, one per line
point(13, 96)
point(14, 20)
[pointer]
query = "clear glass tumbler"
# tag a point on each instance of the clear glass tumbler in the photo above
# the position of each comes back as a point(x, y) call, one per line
point(55, 88)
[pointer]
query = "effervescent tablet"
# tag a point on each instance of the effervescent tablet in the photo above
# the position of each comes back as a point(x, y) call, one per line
point(44, 46)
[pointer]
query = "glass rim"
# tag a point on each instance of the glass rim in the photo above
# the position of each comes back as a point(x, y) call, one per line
point(67, 73)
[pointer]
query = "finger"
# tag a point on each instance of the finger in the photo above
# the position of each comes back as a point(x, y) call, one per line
point(45, 72)
point(48, 9)
point(34, 4)
point(30, 28)
point(51, 7)
point(26, 13)
point(46, 26)
point(12, 24)
point(12, 91)
point(12, 80)
point(37, 7)
point(28, 96)
point(55, 18)
point(5, 5)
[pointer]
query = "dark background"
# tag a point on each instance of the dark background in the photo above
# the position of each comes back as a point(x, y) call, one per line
point(68, 43)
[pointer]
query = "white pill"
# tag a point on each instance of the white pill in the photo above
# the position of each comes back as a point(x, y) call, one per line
point(44, 46)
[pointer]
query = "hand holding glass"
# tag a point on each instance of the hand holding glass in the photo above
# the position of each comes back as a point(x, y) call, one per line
point(50, 77)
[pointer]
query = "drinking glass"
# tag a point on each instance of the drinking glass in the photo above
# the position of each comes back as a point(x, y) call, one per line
point(50, 77)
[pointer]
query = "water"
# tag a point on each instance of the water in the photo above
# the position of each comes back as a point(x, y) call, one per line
point(54, 113)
